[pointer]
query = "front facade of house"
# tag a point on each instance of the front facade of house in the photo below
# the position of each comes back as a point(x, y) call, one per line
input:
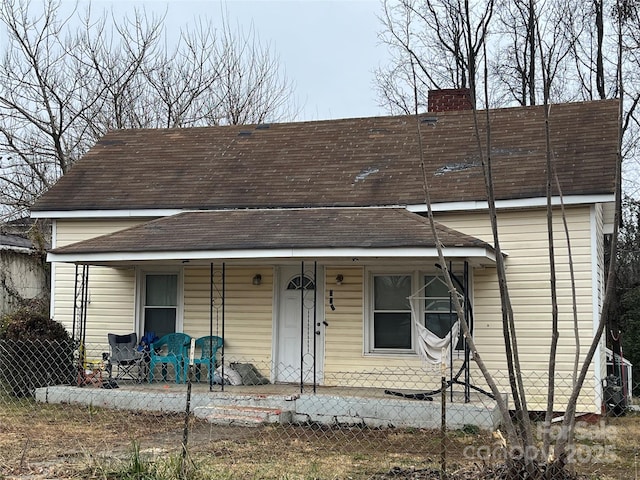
point(307, 245)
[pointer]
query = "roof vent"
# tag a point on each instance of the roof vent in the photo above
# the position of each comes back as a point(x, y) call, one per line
point(263, 126)
point(429, 120)
point(244, 133)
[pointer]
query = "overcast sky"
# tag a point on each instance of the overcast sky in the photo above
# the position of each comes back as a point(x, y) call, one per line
point(329, 49)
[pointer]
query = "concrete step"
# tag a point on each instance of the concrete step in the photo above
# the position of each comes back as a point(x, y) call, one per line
point(242, 415)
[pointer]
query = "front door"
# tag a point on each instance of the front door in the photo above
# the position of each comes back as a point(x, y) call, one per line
point(300, 335)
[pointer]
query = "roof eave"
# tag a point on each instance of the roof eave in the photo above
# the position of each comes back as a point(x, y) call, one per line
point(480, 255)
point(416, 208)
point(106, 213)
point(515, 203)
point(18, 249)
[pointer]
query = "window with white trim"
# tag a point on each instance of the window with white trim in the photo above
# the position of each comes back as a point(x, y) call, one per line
point(160, 302)
point(392, 312)
point(390, 324)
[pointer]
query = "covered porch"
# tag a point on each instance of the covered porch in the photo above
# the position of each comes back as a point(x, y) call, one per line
point(296, 299)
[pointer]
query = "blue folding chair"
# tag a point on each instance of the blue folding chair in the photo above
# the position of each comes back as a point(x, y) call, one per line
point(170, 349)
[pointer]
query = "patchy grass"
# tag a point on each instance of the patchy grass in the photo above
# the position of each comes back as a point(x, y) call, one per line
point(68, 441)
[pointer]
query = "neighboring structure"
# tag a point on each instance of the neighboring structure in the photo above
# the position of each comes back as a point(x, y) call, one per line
point(24, 274)
point(320, 229)
point(622, 369)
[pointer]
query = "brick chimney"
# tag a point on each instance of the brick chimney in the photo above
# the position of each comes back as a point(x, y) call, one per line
point(449, 99)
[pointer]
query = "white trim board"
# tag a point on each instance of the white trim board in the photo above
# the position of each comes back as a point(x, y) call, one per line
point(513, 203)
point(485, 254)
point(417, 208)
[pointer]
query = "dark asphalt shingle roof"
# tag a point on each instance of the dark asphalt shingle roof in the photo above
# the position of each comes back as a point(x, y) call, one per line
point(10, 241)
point(281, 229)
point(351, 162)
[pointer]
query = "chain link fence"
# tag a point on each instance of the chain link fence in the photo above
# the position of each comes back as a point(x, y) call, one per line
point(69, 412)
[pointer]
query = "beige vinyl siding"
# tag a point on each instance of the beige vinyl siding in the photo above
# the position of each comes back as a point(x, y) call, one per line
point(247, 312)
point(249, 309)
point(523, 236)
point(344, 334)
point(111, 306)
point(345, 360)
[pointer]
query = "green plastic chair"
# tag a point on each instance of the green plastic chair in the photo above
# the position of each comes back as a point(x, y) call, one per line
point(208, 346)
point(172, 349)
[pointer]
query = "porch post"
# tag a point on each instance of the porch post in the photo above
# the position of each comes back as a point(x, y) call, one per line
point(75, 304)
point(302, 327)
point(467, 316)
point(80, 298)
point(213, 309)
point(210, 321)
point(224, 284)
point(451, 345)
point(315, 318)
point(84, 301)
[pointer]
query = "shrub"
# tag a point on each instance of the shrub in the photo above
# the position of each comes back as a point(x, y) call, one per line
point(29, 324)
point(35, 351)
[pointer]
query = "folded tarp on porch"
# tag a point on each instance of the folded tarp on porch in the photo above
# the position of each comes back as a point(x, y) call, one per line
point(271, 233)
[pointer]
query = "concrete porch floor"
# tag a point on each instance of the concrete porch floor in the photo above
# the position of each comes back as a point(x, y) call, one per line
point(284, 403)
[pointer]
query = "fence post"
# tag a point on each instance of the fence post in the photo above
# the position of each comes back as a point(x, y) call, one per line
point(185, 433)
point(443, 417)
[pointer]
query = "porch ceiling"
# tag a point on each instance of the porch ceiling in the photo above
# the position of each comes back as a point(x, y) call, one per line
point(277, 233)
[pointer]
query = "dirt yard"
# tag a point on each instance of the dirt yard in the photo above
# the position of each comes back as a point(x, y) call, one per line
point(64, 441)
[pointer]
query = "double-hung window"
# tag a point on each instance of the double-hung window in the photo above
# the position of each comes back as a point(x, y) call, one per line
point(392, 312)
point(390, 320)
point(160, 309)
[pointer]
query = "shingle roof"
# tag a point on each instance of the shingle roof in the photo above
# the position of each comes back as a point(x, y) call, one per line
point(10, 241)
point(351, 162)
point(277, 229)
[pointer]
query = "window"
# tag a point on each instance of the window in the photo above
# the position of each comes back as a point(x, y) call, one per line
point(160, 310)
point(392, 312)
point(301, 283)
point(439, 313)
point(390, 322)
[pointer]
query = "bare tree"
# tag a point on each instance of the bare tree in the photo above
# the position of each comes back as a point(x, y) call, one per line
point(66, 80)
point(38, 101)
point(114, 55)
point(441, 39)
point(180, 80)
point(524, 438)
point(514, 62)
point(626, 14)
point(598, 6)
point(545, 70)
point(435, 36)
point(249, 87)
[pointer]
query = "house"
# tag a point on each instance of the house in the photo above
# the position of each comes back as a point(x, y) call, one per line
point(24, 276)
point(307, 245)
